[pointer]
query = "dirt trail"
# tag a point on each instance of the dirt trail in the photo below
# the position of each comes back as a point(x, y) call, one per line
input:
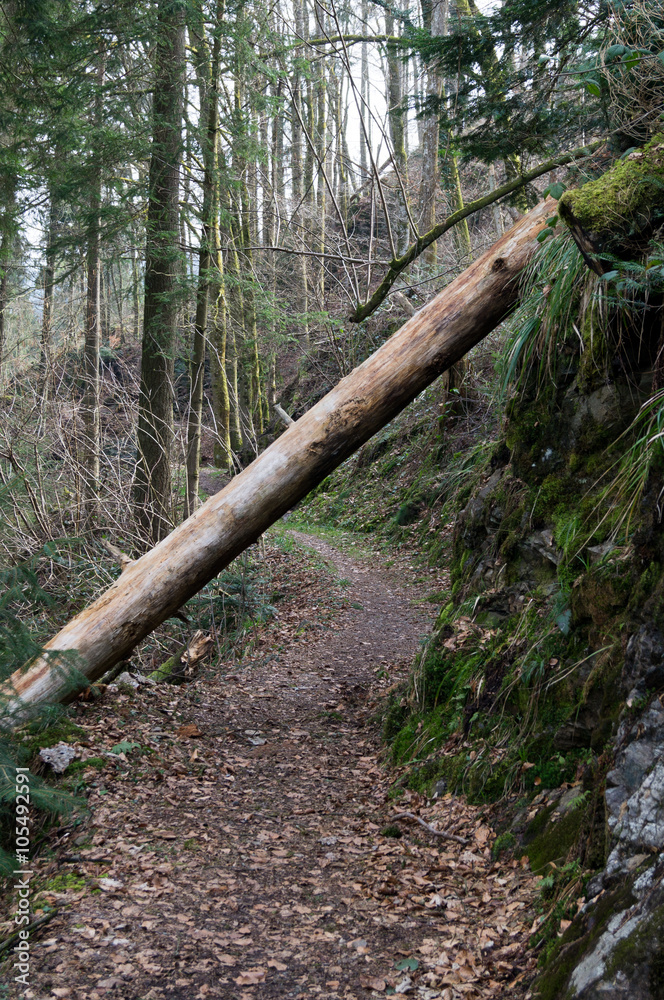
point(243, 858)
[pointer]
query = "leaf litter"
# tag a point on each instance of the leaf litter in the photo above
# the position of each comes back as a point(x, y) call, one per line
point(239, 854)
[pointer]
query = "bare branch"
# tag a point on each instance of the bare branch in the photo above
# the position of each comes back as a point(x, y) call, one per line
point(429, 828)
point(399, 264)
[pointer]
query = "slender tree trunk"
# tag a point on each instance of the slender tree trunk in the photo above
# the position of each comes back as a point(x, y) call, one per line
point(118, 295)
point(47, 311)
point(7, 196)
point(461, 231)
point(235, 325)
point(152, 484)
point(301, 294)
point(91, 417)
point(364, 97)
point(8, 229)
point(254, 383)
point(221, 402)
point(135, 293)
point(208, 256)
point(320, 142)
point(394, 98)
point(93, 316)
point(497, 214)
point(434, 18)
point(5, 257)
point(251, 376)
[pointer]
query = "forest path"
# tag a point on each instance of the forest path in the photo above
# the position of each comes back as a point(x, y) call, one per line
point(243, 857)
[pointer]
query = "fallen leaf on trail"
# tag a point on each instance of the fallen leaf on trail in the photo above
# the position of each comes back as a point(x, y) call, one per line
point(372, 983)
point(279, 966)
point(109, 884)
point(482, 835)
point(189, 731)
point(250, 976)
point(226, 959)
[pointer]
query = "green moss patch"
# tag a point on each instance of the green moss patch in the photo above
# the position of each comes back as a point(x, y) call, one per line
point(624, 202)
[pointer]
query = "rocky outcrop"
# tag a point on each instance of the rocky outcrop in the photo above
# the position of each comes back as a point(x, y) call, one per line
point(615, 947)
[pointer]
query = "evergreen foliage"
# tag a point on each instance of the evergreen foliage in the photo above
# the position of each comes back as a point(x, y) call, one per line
point(530, 77)
point(22, 598)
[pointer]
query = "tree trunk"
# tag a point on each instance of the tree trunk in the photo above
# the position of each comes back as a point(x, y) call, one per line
point(208, 80)
point(495, 209)
point(155, 586)
point(47, 310)
point(395, 116)
point(152, 485)
point(8, 230)
point(91, 415)
point(300, 297)
point(320, 142)
point(364, 98)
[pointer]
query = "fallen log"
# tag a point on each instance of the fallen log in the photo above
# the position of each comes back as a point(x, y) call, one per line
point(153, 587)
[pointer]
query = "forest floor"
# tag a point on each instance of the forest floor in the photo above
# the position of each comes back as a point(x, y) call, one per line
point(234, 846)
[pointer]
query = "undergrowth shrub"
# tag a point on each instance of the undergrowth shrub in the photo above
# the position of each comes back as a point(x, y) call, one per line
point(20, 727)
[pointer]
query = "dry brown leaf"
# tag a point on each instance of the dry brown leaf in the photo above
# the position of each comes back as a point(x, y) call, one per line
point(228, 960)
point(372, 983)
point(190, 731)
point(250, 977)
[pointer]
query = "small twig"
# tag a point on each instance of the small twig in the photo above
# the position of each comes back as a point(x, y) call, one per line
point(431, 829)
point(35, 923)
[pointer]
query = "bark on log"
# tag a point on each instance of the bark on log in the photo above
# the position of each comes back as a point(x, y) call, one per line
point(153, 587)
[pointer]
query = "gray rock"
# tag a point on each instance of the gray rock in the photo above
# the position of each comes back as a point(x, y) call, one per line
point(610, 405)
point(640, 822)
point(541, 543)
point(625, 960)
point(644, 661)
point(59, 757)
point(634, 804)
point(601, 551)
point(128, 679)
point(589, 971)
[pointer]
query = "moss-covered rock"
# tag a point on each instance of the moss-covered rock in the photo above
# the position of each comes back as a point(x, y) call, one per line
point(623, 205)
